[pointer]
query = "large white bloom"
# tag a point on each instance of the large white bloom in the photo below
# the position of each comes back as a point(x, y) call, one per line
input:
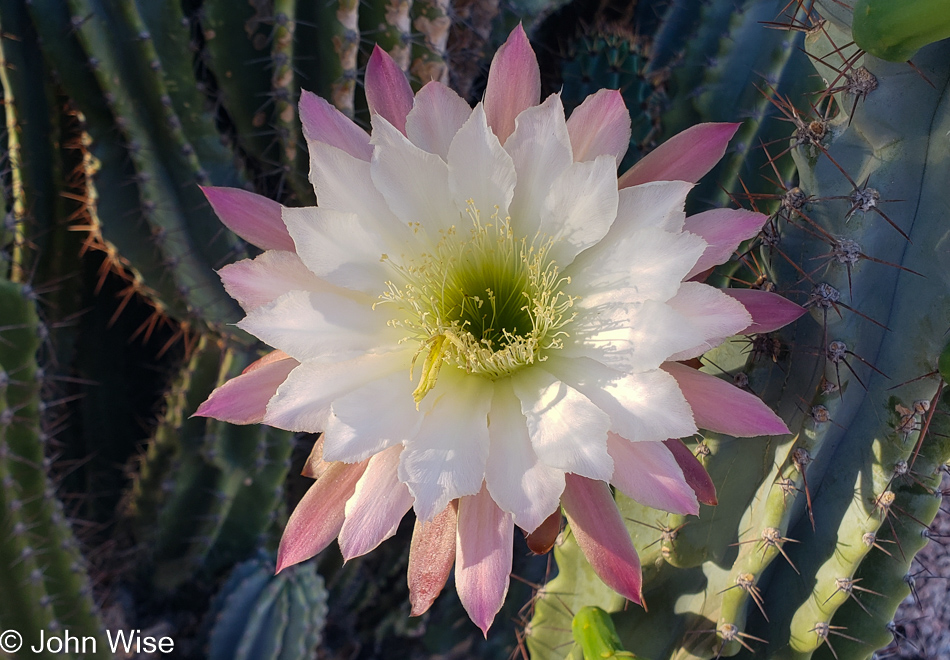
point(484, 324)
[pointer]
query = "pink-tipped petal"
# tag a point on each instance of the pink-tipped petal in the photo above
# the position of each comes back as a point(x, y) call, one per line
point(686, 156)
point(514, 83)
point(602, 536)
point(600, 126)
point(253, 217)
point(723, 230)
point(388, 93)
point(243, 399)
point(693, 471)
point(322, 122)
point(722, 407)
point(483, 557)
point(648, 473)
point(431, 556)
point(378, 504)
point(769, 311)
point(318, 518)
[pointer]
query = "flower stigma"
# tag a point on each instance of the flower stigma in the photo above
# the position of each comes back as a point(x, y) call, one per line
point(485, 301)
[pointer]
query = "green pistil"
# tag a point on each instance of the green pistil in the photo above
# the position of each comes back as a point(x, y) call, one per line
point(489, 303)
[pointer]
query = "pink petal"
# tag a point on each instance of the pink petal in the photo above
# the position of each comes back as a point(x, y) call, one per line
point(378, 504)
point(686, 156)
point(723, 230)
point(243, 399)
point(600, 126)
point(387, 89)
point(483, 551)
point(322, 122)
point(514, 83)
point(602, 535)
point(722, 407)
point(254, 218)
point(648, 473)
point(318, 517)
point(769, 311)
point(693, 471)
point(431, 556)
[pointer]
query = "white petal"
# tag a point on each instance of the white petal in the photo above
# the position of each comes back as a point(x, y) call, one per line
point(255, 282)
point(303, 401)
point(567, 430)
point(436, 116)
point(339, 248)
point(343, 183)
point(480, 169)
point(541, 150)
point(315, 325)
point(657, 204)
point(630, 338)
point(516, 479)
point(414, 182)
point(377, 506)
point(647, 264)
point(580, 207)
point(447, 457)
point(643, 407)
point(714, 314)
point(371, 418)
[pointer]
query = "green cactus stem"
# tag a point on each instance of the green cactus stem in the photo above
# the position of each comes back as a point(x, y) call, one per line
point(261, 616)
point(896, 31)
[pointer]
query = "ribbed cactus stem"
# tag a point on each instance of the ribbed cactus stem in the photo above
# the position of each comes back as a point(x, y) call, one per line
point(388, 25)
point(431, 19)
point(46, 585)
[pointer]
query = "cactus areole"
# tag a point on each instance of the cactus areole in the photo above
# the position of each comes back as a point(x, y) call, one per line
point(486, 325)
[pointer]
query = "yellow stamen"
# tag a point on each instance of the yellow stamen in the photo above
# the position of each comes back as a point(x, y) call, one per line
point(487, 302)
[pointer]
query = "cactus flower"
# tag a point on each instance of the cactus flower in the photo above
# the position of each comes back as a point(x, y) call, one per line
point(487, 325)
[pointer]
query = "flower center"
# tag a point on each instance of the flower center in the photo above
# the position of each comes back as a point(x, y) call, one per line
point(484, 300)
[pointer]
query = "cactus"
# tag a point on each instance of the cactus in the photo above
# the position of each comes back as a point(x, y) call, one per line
point(896, 35)
point(811, 545)
point(44, 575)
point(116, 109)
point(259, 615)
point(206, 491)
